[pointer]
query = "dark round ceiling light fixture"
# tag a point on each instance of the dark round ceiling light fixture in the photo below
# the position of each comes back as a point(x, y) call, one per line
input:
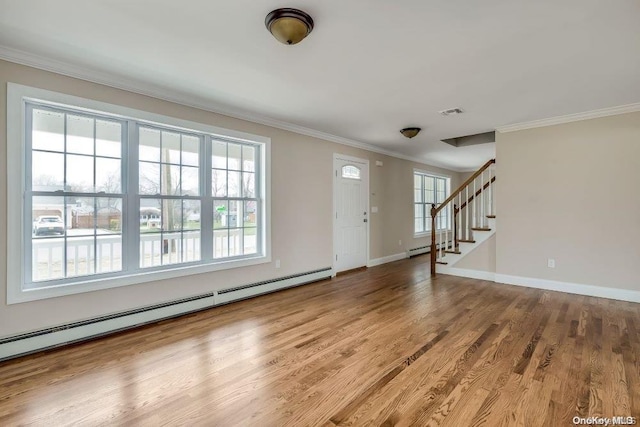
point(289, 26)
point(410, 132)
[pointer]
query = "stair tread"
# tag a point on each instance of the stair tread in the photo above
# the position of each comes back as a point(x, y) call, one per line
point(466, 241)
point(480, 229)
point(453, 252)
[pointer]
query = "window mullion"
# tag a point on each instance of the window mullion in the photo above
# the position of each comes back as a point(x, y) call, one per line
point(206, 205)
point(425, 218)
point(27, 267)
point(131, 202)
point(64, 199)
point(260, 204)
point(422, 203)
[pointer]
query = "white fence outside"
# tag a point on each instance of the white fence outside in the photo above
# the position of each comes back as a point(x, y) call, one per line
point(155, 250)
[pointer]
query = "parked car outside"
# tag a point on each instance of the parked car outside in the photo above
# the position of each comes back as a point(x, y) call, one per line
point(48, 224)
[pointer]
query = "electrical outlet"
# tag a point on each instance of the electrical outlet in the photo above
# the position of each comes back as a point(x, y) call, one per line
point(277, 263)
point(551, 263)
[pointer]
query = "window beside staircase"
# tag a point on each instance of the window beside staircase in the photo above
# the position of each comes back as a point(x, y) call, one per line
point(429, 189)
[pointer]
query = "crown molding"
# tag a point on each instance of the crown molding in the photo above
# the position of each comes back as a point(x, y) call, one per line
point(154, 91)
point(595, 114)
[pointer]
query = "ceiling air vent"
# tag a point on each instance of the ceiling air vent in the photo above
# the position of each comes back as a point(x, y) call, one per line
point(451, 112)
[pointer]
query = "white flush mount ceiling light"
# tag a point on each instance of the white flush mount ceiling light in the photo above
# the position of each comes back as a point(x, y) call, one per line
point(289, 26)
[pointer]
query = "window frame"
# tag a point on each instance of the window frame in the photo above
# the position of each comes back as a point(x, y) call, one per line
point(27, 255)
point(426, 206)
point(17, 174)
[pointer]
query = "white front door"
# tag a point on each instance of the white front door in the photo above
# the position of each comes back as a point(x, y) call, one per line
point(351, 213)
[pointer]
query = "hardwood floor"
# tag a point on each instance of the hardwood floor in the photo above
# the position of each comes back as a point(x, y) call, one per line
point(385, 346)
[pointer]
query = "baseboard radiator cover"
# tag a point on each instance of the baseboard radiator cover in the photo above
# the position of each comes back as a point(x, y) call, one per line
point(48, 338)
point(247, 291)
point(424, 250)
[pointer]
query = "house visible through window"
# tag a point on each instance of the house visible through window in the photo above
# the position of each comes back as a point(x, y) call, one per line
point(108, 196)
point(428, 190)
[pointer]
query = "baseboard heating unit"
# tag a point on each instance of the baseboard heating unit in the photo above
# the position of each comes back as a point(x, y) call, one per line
point(418, 251)
point(31, 342)
point(423, 250)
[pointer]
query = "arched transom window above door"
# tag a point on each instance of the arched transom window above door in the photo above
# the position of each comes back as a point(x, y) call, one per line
point(351, 172)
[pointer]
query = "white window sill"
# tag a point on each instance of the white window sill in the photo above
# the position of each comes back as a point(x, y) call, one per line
point(15, 296)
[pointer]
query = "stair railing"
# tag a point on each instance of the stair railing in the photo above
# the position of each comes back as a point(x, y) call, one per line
point(466, 210)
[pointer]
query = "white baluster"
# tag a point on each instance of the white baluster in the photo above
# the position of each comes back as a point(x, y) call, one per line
point(434, 230)
point(437, 238)
point(443, 230)
point(459, 228)
point(75, 259)
point(34, 261)
point(439, 227)
point(450, 225)
point(50, 260)
point(466, 209)
point(110, 256)
point(493, 204)
point(475, 215)
point(490, 192)
point(96, 257)
point(443, 236)
point(483, 217)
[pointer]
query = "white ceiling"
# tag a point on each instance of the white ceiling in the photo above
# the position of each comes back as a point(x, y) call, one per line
point(370, 67)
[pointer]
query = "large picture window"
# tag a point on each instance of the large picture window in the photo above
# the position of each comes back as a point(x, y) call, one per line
point(109, 196)
point(429, 189)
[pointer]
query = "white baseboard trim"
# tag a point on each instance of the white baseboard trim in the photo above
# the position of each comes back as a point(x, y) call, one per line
point(249, 291)
point(571, 288)
point(56, 336)
point(386, 259)
point(549, 285)
point(463, 272)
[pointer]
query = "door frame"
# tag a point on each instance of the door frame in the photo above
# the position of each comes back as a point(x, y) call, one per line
point(336, 157)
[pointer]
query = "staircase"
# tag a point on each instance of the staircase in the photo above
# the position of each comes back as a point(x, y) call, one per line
point(464, 220)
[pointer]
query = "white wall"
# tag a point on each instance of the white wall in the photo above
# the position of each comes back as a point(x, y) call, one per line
point(301, 200)
point(482, 258)
point(570, 192)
